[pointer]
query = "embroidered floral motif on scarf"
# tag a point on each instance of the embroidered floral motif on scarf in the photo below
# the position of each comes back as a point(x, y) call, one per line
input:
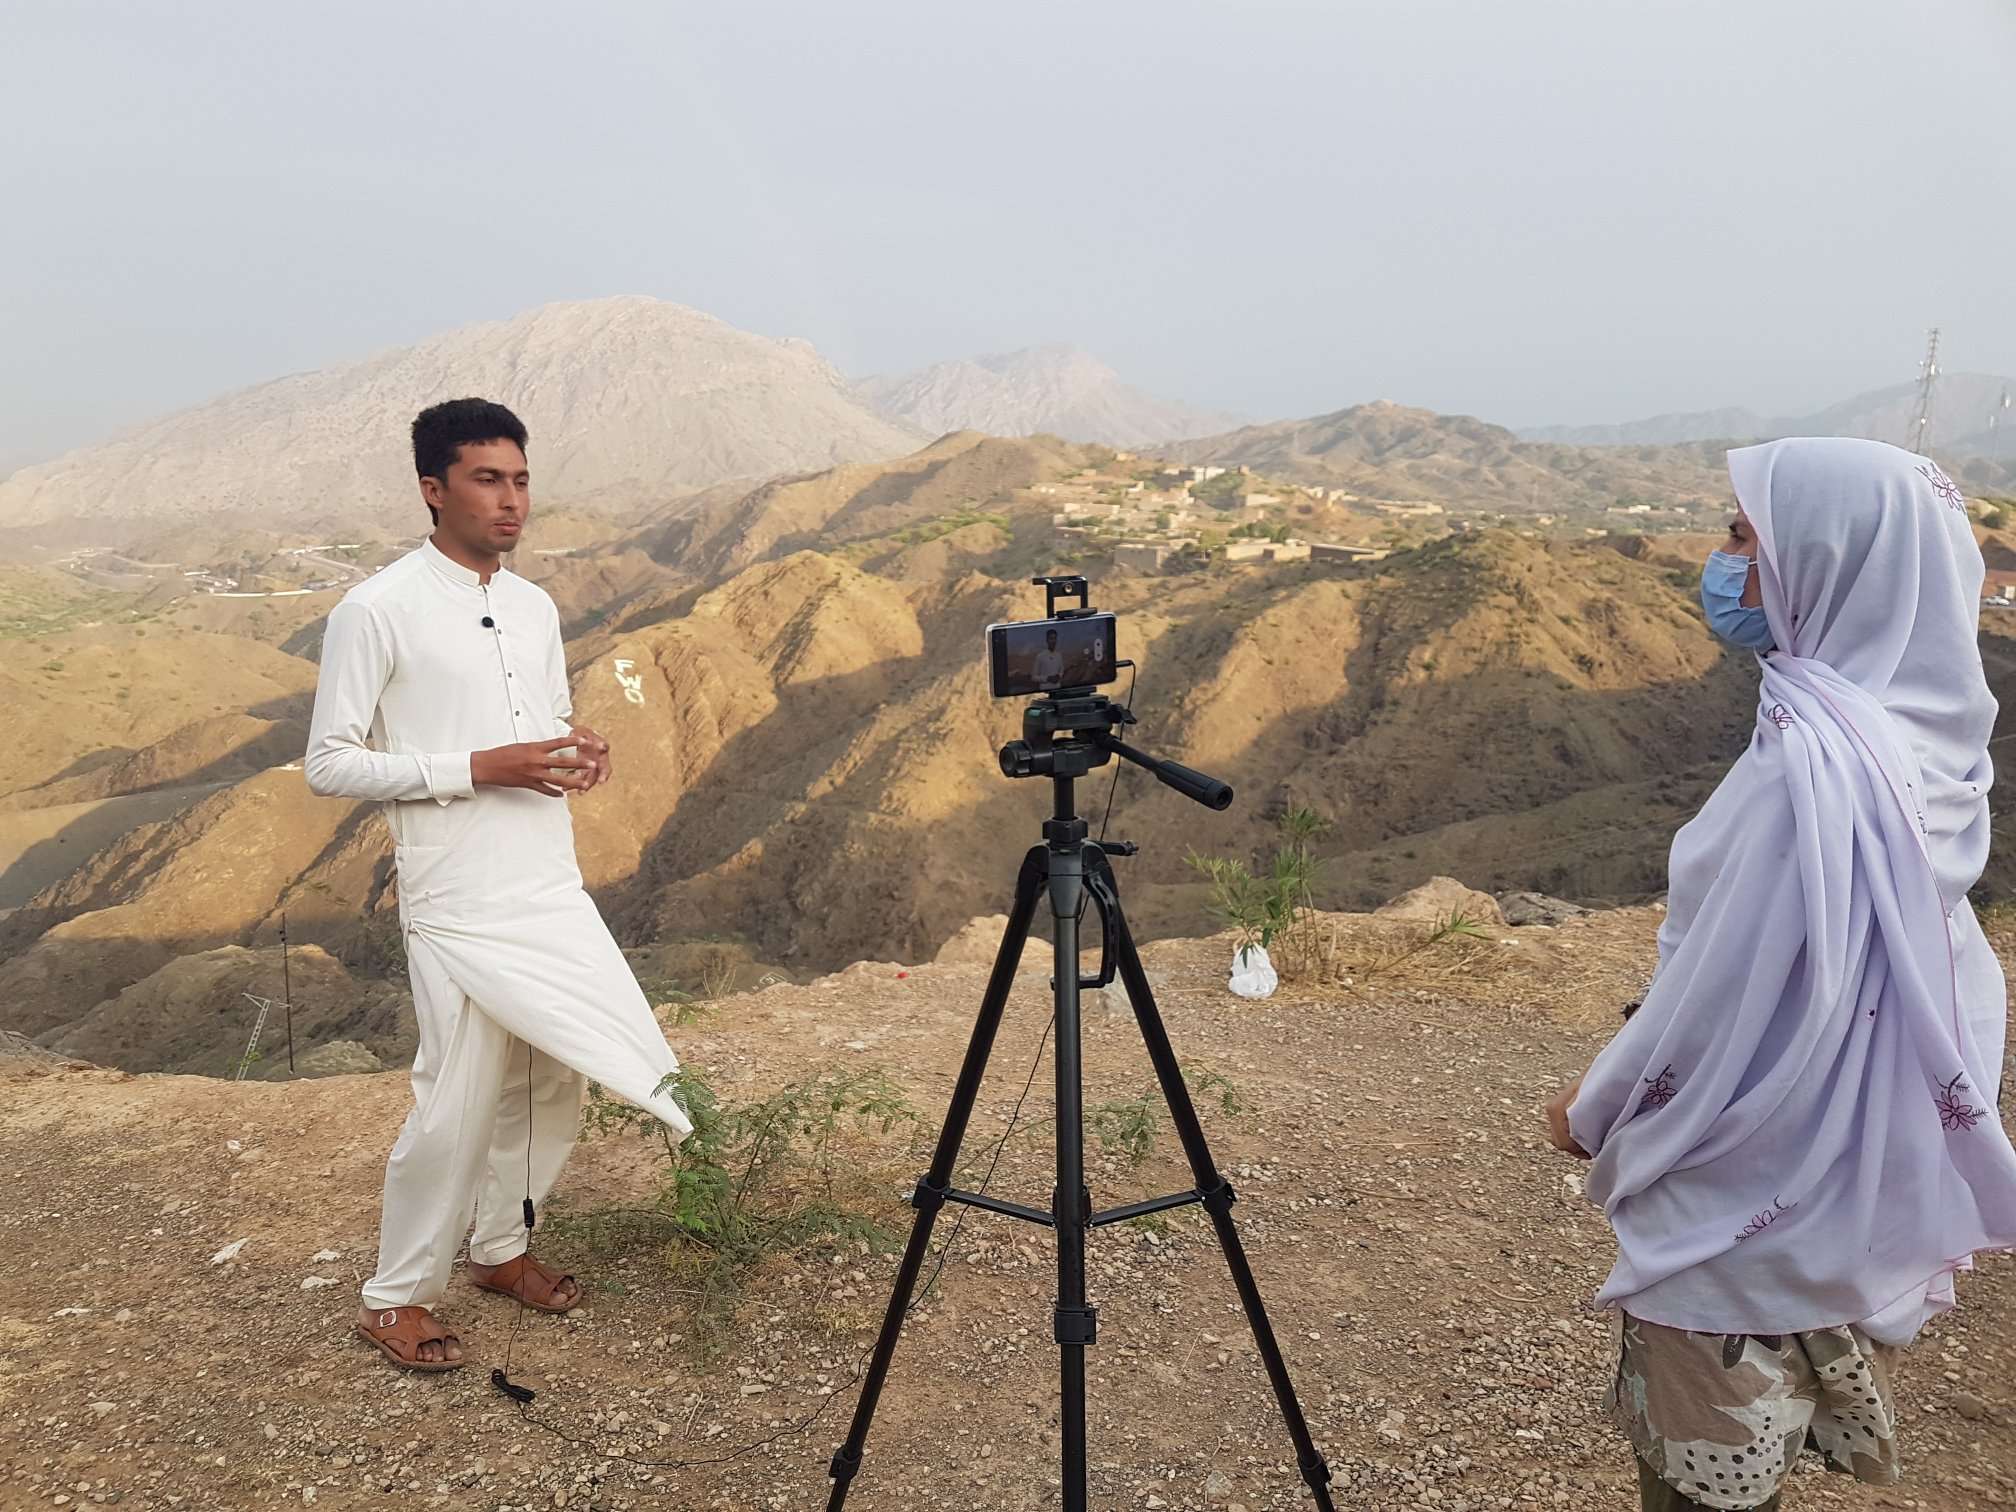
point(1761, 1221)
point(1955, 1114)
point(1659, 1091)
point(1948, 491)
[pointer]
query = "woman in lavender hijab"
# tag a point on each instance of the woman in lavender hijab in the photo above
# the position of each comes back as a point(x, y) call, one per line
point(1795, 1137)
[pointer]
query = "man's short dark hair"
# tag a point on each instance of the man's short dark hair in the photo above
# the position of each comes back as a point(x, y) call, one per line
point(441, 431)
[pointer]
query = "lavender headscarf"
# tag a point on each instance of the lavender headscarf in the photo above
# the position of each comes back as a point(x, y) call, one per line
point(1798, 1129)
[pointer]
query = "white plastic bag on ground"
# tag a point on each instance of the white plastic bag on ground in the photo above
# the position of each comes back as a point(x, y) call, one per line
point(1253, 975)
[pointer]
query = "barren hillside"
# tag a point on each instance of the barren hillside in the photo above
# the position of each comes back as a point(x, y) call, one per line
point(792, 677)
point(806, 752)
point(963, 473)
point(849, 816)
point(88, 698)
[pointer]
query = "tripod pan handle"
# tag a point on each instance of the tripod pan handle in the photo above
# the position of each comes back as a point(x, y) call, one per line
point(1195, 785)
point(1192, 784)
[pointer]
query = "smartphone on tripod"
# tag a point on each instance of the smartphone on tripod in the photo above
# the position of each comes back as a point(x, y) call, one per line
point(1029, 657)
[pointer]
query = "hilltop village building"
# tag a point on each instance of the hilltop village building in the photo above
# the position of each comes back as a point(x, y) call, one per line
point(1154, 523)
point(1149, 556)
point(1337, 551)
point(1267, 551)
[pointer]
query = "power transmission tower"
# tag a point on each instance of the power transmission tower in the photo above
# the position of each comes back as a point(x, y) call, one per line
point(287, 984)
point(1920, 437)
point(265, 1006)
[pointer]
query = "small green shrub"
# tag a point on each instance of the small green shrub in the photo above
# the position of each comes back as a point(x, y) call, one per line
point(1268, 905)
point(1129, 1126)
point(754, 1181)
point(664, 992)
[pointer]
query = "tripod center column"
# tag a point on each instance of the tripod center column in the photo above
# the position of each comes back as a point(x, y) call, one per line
point(1070, 1203)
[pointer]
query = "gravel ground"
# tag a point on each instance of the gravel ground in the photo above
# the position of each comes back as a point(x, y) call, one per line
point(1427, 1261)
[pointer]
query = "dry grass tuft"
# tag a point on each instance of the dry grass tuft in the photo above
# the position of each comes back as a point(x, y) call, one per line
point(1582, 973)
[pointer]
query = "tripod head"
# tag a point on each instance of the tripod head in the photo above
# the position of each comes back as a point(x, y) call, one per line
point(1070, 733)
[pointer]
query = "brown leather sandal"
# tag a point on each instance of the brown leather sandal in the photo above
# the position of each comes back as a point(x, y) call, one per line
point(399, 1333)
point(508, 1280)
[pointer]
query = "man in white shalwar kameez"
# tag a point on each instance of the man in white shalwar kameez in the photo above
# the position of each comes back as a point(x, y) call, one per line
point(443, 696)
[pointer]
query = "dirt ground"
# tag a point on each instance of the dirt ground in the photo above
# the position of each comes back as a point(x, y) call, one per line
point(1426, 1259)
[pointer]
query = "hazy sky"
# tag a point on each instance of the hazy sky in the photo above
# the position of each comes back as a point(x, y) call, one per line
point(1530, 210)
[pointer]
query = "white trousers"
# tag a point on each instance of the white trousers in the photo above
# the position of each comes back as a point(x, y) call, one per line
point(494, 1119)
point(521, 999)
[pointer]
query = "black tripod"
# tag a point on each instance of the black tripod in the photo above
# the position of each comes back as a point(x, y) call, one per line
point(1066, 735)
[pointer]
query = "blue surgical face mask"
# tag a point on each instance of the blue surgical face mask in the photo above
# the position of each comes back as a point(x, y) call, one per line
point(1722, 583)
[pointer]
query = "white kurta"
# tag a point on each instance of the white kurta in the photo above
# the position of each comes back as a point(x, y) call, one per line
point(514, 973)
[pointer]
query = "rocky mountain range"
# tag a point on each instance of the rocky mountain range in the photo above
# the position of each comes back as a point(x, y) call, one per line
point(1049, 390)
point(1393, 451)
point(794, 680)
point(628, 400)
point(791, 667)
point(1963, 404)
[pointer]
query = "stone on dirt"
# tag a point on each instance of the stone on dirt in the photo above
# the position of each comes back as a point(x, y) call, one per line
point(1441, 898)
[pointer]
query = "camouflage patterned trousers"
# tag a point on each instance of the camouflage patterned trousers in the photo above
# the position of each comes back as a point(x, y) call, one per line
point(1654, 1495)
point(1719, 1420)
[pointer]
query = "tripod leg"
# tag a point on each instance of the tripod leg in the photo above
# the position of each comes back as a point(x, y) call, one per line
point(929, 1196)
point(1214, 1188)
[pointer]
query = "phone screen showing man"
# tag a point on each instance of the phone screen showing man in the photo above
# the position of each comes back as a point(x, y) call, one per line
point(1042, 656)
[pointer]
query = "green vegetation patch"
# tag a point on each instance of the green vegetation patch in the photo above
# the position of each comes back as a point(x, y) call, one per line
point(944, 525)
point(774, 1179)
point(31, 606)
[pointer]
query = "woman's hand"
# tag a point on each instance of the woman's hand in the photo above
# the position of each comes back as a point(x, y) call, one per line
point(1557, 1121)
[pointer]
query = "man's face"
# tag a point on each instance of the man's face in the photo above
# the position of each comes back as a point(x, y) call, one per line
point(486, 498)
point(1050, 639)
